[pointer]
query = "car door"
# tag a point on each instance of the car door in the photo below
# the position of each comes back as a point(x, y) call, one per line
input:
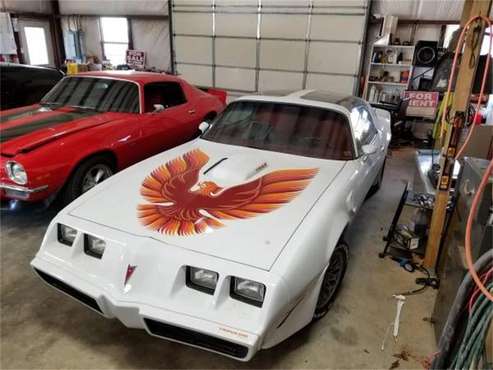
point(365, 134)
point(169, 116)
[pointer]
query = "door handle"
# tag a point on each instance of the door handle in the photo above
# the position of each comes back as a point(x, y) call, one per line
point(191, 111)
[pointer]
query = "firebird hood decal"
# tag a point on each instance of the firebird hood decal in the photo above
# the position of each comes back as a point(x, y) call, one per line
point(255, 239)
point(180, 205)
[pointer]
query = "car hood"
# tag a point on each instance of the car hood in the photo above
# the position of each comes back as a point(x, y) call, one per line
point(25, 129)
point(253, 235)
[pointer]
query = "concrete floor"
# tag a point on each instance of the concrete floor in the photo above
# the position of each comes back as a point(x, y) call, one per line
point(41, 328)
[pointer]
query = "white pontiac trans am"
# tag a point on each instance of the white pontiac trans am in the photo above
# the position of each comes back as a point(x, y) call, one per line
point(231, 242)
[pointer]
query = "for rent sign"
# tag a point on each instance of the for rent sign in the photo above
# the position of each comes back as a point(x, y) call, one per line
point(136, 59)
point(421, 103)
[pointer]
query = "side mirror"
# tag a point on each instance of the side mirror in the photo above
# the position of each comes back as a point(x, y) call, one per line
point(158, 108)
point(369, 148)
point(204, 126)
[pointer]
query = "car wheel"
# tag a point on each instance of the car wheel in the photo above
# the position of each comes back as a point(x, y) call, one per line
point(90, 173)
point(332, 280)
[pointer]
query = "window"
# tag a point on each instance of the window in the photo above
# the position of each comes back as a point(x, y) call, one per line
point(114, 32)
point(287, 128)
point(37, 48)
point(73, 48)
point(363, 126)
point(168, 94)
point(451, 28)
point(449, 31)
point(100, 94)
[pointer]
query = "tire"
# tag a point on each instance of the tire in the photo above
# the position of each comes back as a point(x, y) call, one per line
point(332, 280)
point(99, 168)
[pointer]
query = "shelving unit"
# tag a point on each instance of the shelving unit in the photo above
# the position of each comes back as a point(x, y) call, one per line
point(386, 89)
point(388, 83)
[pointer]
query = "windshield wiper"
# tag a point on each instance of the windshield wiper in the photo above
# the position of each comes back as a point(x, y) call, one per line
point(84, 107)
point(50, 104)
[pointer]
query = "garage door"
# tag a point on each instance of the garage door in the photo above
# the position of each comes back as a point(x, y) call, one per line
point(259, 45)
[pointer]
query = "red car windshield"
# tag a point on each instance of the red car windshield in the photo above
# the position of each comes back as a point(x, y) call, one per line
point(101, 94)
point(288, 128)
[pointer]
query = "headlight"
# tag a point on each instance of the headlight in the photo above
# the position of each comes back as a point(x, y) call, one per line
point(16, 173)
point(201, 279)
point(247, 291)
point(66, 234)
point(94, 246)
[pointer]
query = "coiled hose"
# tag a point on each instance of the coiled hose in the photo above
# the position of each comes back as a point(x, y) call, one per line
point(449, 332)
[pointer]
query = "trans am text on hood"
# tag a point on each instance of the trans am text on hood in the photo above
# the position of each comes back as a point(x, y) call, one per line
point(231, 242)
point(93, 124)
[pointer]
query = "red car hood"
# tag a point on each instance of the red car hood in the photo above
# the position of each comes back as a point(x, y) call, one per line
point(27, 128)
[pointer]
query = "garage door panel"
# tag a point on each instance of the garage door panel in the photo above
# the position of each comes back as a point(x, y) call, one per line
point(338, 3)
point(281, 58)
point(286, 3)
point(193, 23)
point(272, 80)
point(236, 24)
point(252, 3)
point(235, 79)
point(284, 26)
point(196, 75)
point(337, 27)
point(193, 49)
point(334, 57)
point(236, 52)
point(282, 54)
point(191, 3)
point(338, 84)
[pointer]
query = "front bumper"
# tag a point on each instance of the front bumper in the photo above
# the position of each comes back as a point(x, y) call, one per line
point(158, 322)
point(11, 191)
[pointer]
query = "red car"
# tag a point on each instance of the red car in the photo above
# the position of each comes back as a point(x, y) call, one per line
point(93, 124)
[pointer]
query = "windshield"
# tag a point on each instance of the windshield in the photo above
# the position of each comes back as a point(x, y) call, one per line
point(101, 94)
point(288, 128)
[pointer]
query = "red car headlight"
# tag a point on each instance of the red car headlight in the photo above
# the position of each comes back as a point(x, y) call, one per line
point(16, 172)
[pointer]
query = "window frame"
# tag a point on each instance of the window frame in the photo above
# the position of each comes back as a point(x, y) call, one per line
point(103, 42)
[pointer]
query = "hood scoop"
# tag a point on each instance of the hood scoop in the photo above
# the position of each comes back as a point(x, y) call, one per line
point(235, 169)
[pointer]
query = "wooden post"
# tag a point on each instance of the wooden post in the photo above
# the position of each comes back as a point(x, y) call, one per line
point(462, 94)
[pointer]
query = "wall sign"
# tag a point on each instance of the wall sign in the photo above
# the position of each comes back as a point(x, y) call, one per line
point(136, 59)
point(421, 103)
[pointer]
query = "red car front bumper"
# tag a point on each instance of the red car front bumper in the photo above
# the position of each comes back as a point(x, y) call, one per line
point(12, 191)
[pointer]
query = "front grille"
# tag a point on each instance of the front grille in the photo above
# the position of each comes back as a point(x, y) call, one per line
point(195, 338)
point(60, 285)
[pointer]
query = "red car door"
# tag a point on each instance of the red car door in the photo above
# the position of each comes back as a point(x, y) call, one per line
point(170, 117)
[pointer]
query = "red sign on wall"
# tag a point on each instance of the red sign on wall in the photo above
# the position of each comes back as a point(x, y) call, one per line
point(421, 103)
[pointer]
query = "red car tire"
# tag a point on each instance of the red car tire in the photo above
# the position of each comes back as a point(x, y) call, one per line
point(99, 167)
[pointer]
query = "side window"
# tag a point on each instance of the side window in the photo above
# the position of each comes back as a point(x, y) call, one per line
point(168, 94)
point(363, 127)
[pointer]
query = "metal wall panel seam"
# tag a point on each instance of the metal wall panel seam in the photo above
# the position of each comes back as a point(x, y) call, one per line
point(213, 45)
point(171, 38)
point(361, 52)
point(358, 42)
point(257, 45)
point(269, 12)
point(307, 46)
point(270, 69)
point(287, 6)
